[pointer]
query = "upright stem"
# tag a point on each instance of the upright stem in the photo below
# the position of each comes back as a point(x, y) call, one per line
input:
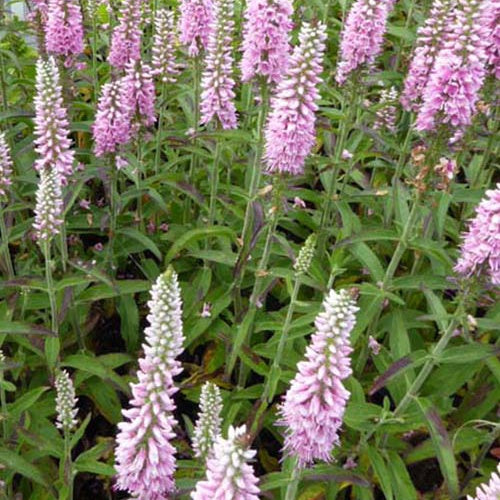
point(68, 465)
point(196, 112)
point(246, 325)
point(160, 128)
point(64, 246)
point(271, 385)
point(5, 240)
point(50, 286)
point(113, 195)
point(3, 402)
point(293, 484)
point(214, 183)
point(94, 56)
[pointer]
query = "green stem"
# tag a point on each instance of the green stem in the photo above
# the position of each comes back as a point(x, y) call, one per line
point(63, 242)
point(160, 128)
point(5, 240)
point(214, 183)
point(402, 244)
point(3, 402)
point(246, 325)
point(271, 385)
point(293, 484)
point(68, 465)
point(50, 286)
point(113, 195)
point(94, 56)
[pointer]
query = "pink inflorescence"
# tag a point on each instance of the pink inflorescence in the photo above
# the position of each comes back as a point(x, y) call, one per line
point(481, 243)
point(49, 206)
point(112, 126)
point(140, 90)
point(386, 114)
point(5, 166)
point(126, 37)
point(145, 457)
point(362, 36)
point(431, 38)
point(217, 97)
point(164, 61)
point(51, 122)
point(493, 29)
point(489, 491)
point(228, 473)
point(314, 406)
point(196, 24)
point(459, 71)
point(266, 39)
point(290, 133)
point(64, 28)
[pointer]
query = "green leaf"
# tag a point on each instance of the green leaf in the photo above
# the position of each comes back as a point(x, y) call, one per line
point(14, 462)
point(467, 353)
point(381, 471)
point(442, 445)
point(18, 328)
point(129, 321)
point(146, 242)
point(367, 257)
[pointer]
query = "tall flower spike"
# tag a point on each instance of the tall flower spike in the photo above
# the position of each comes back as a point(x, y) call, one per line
point(164, 61)
point(145, 458)
point(196, 24)
point(228, 473)
point(493, 46)
point(385, 116)
point(65, 402)
point(452, 92)
point(266, 39)
point(314, 406)
point(290, 132)
point(112, 126)
point(126, 37)
point(362, 36)
point(481, 243)
point(140, 90)
point(306, 255)
point(208, 425)
point(430, 40)
point(64, 28)
point(5, 166)
point(217, 83)
point(489, 491)
point(51, 122)
point(49, 206)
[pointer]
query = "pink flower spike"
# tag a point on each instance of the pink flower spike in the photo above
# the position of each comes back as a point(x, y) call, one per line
point(140, 90)
point(164, 61)
point(490, 490)
point(459, 71)
point(126, 37)
point(229, 476)
point(480, 250)
point(145, 460)
point(196, 24)
point(64, 28)
point(290, 131)
point(51, 122)
point(266, 39)
point(362, 36)
point(431, 38)
point(314, 406)
point(493, 30)
point(217, 82)
point(112, 126)
point(5, 166)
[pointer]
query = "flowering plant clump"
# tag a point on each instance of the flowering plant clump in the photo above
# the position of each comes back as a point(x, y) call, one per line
point(290, 133)
point(259, 240)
